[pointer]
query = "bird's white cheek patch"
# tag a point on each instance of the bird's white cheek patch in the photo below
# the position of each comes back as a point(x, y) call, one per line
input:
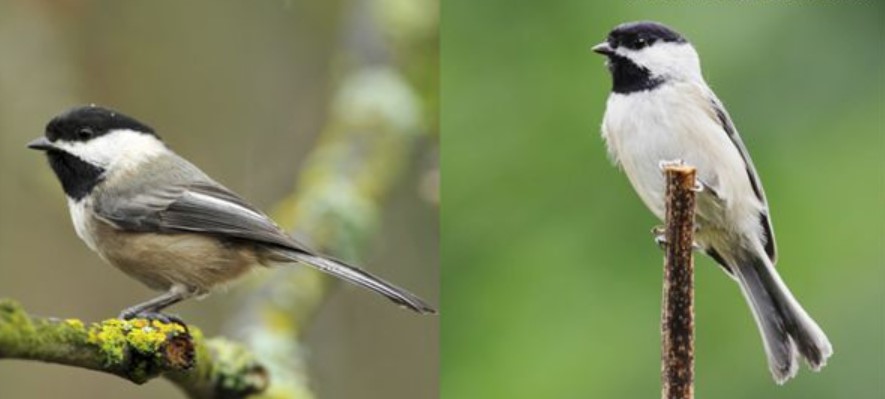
point(119, 149)
point(678, 60)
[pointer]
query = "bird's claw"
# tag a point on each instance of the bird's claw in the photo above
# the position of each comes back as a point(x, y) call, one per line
point(130, 314)
point(664, 164)
point(661, 240)
point(660, 237)
point(659, 233)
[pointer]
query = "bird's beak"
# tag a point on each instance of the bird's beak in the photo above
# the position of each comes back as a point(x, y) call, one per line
point(41, 144)
point(603, 48)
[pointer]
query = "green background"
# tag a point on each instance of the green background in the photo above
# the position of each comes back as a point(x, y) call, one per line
point(551, 280)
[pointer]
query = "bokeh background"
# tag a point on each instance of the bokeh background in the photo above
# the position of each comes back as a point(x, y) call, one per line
point(242, 89)
point(552, 284)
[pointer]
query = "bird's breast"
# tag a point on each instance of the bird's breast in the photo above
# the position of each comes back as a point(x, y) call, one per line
point(670, 123)
point(83, 220)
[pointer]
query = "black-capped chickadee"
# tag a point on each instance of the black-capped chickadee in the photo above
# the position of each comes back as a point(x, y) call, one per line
point(660, 110)
point(162, 221)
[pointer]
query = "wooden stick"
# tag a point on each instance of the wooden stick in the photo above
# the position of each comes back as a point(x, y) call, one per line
point(677, 318)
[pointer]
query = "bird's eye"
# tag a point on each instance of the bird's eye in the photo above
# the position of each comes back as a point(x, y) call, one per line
point(640, 42)
point(85, 133)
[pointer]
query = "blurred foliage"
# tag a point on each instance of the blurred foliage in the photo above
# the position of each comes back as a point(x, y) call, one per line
point(552, 282)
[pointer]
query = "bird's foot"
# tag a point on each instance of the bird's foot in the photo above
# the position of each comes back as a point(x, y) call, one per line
point(664, 164)
point(178, 347)
point(131, 313)
point(660, 237)
point(659, 233)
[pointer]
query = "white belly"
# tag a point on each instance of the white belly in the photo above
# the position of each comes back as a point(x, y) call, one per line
point(644, 128)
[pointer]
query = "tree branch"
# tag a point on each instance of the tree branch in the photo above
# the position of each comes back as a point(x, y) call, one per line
point(137, 350)
point(677, 320)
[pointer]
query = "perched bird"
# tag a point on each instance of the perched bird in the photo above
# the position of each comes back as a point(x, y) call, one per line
point(161, 220)
point(661, 110)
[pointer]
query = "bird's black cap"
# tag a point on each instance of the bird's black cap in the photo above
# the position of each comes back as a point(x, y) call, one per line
point(636, 35)
point(87, 122)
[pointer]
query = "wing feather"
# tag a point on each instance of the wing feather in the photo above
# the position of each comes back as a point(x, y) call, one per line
point(178, 197)
point(173, 196)
point(755, 182)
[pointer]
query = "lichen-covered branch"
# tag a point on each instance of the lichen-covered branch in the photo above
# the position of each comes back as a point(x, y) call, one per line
point(224, 369)
point(677, 319)
point(137, 350)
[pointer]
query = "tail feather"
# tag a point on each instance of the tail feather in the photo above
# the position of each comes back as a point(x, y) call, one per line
point(362, 278)
point(787, 330)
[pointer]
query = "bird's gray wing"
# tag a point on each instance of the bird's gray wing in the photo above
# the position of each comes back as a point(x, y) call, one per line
point(198, 207)
point(170, 195)
point(764, 219)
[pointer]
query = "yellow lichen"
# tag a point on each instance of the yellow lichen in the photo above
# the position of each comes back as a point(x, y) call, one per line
point(147, 336)
point(110, 337)
point(138, 323)
point(75, 324)
point(168, 328)
point(114, 336)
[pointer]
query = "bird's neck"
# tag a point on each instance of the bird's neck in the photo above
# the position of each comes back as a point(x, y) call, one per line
point(628, 77)
point(77, 177)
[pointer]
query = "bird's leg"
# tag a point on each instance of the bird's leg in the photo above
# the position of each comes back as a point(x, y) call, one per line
point(660, 234)
point(151, 309)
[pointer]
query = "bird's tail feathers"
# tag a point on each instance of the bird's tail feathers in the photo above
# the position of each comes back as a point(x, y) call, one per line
point(359, 277)
point(787, 330)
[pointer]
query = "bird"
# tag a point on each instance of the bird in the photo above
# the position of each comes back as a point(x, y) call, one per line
point(162, 221)
point(661, 110)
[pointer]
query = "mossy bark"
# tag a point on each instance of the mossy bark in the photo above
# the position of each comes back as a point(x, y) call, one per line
point(138, 350)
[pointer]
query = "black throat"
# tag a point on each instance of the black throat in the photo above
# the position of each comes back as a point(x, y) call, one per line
point(77, 177)
point(627, 77)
